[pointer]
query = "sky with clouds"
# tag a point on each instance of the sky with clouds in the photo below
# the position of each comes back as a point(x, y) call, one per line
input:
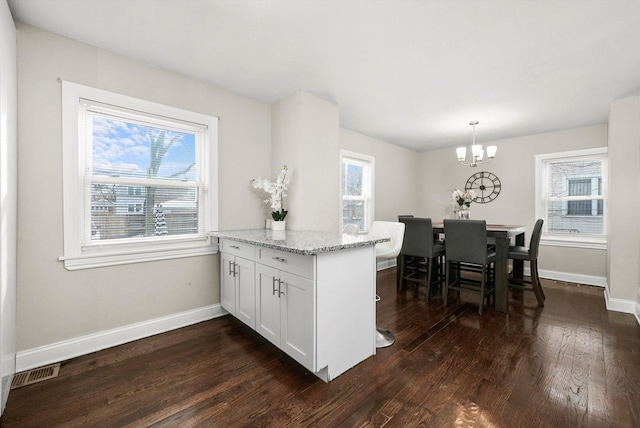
point(123, 149)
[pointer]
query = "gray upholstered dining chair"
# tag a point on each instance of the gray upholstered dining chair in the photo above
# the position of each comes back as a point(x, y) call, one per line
point(420, 245)
point(406, 261)
point(531, 255)
point(466, 242)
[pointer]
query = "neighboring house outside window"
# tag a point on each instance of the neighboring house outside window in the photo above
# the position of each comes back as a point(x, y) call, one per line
point(571, 197)
point(584, 187)
point(129, 166)
point(357, 184)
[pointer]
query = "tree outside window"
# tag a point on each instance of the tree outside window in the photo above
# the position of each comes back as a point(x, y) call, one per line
point(357, 190)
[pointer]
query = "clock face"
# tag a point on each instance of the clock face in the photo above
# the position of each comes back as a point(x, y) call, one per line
point(485, 184)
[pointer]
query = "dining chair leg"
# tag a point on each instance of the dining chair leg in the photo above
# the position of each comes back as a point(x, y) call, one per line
point(429, 269)
point(483, 284)
point(492, 278)
point(535, 283)
point(400, 276)
point(416, 265)
point(398, 272)
point(445, 293)
point(538, 278)
point(458, 278)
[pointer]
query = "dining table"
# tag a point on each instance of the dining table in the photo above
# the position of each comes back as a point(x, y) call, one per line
point(502, 234)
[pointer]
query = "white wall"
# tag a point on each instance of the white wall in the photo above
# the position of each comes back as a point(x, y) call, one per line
point(8, 202)
point(305, 137)
point(54, 304)
point(440, 173)
point(396, 185)
point(623, 279)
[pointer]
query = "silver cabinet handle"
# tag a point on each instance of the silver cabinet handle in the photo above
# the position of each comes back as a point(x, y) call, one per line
point(230, 271)
point(235, 269)
point(280, 293)
point(274, 279)
point(279, 259)
point(235, 247)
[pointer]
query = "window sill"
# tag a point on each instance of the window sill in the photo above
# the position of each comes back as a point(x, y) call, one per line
point(113, 257)
point(574, 241)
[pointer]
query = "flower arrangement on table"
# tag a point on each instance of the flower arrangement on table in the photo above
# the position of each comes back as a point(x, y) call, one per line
point(276, 191)
point(463, 199)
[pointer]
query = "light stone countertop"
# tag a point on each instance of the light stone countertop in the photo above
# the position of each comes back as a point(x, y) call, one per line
point(299, 242)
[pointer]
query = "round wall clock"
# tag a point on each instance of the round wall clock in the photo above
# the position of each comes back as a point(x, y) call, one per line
point(485, 184)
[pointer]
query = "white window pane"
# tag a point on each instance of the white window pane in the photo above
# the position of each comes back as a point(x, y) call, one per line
point(352, 177)
point(560, 221)
point(570, 179)
point(123, 158)
point(357, 180)
point(156, 211)
point(353, 212)
point(561, 174)
point(126, 149)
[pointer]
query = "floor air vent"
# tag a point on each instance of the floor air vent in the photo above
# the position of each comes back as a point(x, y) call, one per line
point(35, 375)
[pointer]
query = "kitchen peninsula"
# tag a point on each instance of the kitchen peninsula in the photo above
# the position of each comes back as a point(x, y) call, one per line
point(312, 294)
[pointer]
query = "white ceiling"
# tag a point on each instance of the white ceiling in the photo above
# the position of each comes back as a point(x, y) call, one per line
point(412, 73)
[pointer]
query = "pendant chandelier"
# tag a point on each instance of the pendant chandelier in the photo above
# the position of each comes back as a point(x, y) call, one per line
point(477, 152)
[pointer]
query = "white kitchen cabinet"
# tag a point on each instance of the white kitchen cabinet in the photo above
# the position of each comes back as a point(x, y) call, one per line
point(285, 312)
point(313, 293)
point(237, 285)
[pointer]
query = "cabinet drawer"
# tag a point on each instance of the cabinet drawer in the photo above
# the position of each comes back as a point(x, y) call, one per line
point(296, 264)
point(246, 251)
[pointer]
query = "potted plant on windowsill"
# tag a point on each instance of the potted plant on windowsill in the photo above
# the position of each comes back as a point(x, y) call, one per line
point(277, 193)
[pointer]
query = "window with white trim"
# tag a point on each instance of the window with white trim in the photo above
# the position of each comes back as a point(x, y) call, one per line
point(356, 184)
point(139, 179)
point(571, 196)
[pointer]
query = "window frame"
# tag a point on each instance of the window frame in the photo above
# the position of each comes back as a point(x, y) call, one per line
point(592, 241)
point(81, 252)
point(368, 186)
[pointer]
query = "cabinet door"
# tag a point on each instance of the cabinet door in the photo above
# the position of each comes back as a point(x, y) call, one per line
point(297, 336)
point(246, 292)
point(268, 303)
point(227, 283)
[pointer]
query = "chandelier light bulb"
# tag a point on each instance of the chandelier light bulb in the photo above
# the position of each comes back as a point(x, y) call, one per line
point(462, 153)
point(477, 152)
point(491, 151)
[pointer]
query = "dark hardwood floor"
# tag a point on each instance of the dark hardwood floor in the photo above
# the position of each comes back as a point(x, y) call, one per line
point(571, 363)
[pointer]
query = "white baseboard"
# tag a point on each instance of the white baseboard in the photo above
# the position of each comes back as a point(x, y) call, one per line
point(382, 264)
point(66, 349)
point(599, 281)
point(612, 303)
point(621, 305)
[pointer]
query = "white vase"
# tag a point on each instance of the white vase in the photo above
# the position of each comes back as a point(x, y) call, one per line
point(464, 214)
point(267, 223)
point(278, 225)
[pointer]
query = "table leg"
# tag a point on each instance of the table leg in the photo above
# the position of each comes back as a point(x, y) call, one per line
point(502, 274)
